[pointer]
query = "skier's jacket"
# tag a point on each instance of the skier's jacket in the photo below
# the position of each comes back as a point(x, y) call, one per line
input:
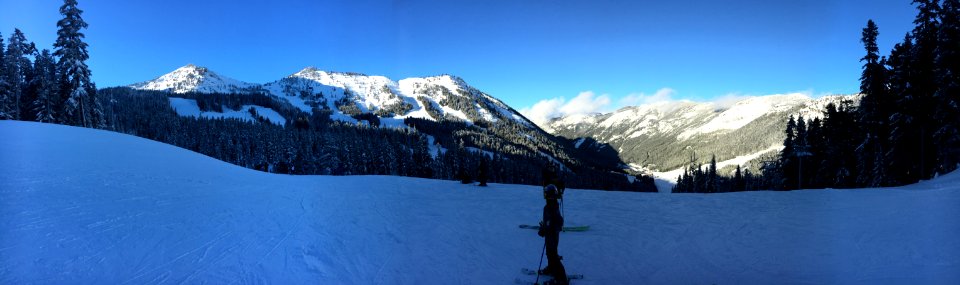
point(552, 220)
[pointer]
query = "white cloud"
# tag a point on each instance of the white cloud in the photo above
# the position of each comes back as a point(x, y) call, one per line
point(586, 102)
point(636, 99)
point(727, 101)
point(543, 111)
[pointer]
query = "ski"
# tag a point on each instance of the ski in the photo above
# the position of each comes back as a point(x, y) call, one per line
point(528, 282)
point(529, 271)
point(566, 229)
point(521, 281)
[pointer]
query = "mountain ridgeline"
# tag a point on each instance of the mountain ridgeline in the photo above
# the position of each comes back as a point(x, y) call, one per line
point(666, 136)
point(353, 124)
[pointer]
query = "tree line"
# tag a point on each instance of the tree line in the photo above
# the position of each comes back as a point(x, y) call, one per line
point(698, 178)
point(905, 128)
point(315, 144)
point(45, 86)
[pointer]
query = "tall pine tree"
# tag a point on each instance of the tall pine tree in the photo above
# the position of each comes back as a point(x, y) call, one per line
point(904, 138)
point(947, 96)
point(44, 85)
point(738, 183)
point(712, 178)
point(16, 72)
point(78, 93)
point(827, 170)
point(873, 109)
point(815, 160)
point(6, 107)
point(482, 171)
point(923, 81)
point(801, 151)
point(788, 156)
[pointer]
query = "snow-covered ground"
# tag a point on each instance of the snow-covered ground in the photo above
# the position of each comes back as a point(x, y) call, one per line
point(189, 107)
point(81, 206)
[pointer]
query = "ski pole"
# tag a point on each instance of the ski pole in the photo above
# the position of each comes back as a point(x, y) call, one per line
point(541, 261)
point(561, 211)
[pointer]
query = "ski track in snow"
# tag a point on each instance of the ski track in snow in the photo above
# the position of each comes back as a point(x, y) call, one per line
point(87, 206)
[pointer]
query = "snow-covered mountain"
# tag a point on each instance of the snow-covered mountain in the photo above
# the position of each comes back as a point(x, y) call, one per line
point(667, 135)
point(448, 112)
point(432, 98)
point(96, 207)
point(348, 94)
point(192, 78)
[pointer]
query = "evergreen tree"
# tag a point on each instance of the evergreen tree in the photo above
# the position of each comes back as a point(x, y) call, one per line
point(827, 169)
point(947, 64)
point(678, 188)
point(687, 181)
point(44, 85)
point(463, 174)
point(5, 107)
point(738, 183)
point(788, 156)
point(78, 93)
point(712, 179)
point(422, 160)
point(482, 171)
point(873, 109)
point(16, 73)
point(816, 146)
point(904, 138)
point(923, 81)
point(850, 134)
point(801, 150)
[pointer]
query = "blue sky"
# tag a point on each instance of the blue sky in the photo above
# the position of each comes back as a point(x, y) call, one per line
point(604, 53)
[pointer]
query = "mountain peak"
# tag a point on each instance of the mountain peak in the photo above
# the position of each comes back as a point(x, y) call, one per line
point(447, 77)
point(193, 78)
point(308, 69)
point(191, 68)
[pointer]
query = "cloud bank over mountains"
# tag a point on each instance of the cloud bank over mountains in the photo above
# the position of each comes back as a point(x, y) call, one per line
point(588, 102)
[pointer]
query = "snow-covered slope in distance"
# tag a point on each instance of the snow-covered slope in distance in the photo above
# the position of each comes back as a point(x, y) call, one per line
point(192, 78)
point(189, 107)
point(430, 98)
point(89, 206)
point(665, 136)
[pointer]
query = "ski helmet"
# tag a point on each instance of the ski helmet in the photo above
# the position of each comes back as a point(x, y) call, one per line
point(551, 192)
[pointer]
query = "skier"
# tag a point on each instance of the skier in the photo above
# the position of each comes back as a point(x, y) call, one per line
point(550, 229)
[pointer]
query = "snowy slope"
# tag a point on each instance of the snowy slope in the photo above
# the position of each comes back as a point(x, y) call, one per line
point(373, 93)
point(663, 136)
point(745, 111)
point(192, 78)
point(698, 118)
point(87, 206)
point(452, 97)
point(189, 107)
